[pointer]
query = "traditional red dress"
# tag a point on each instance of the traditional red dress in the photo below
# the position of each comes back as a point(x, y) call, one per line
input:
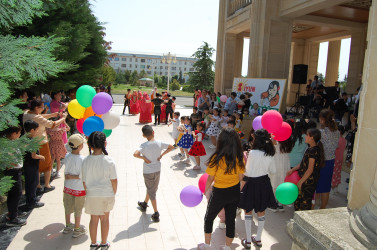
point(145, 110)
point(163, 111)
point(134, 104)
point(197, 149)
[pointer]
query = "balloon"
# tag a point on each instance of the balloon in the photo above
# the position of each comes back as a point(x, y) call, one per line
point(107, 132)
point(102, 103)
point(92, 124)
point(75, 109)
point(257, 123)
point(202, 182)
point(286, 193)
point(89, 112)
point(283, 133)
point(218, 99)
point(223, 98)
point(79, 124)
point(191, 196)
point(272, 121)
point(85, 95)
point(292, 178)
point(111, 120)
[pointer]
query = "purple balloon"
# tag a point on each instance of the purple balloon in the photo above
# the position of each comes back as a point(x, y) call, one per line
point(191, 196)
point(257, 123)
point(102, 103)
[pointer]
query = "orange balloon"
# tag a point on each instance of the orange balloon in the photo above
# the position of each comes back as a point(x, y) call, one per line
point(89, 112)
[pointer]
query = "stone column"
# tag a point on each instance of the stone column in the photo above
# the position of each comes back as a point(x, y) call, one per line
point(313, 54)
point(332, 68)
point(220, 46)
point(363, 182)
point(229, 61)
point(356, 61)
point(238, 56)
point(270, 43)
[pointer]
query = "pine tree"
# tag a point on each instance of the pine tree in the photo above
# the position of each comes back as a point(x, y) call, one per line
point(24, 61)
point(203, 76)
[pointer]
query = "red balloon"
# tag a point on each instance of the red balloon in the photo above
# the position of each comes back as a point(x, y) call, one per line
point(272, 121)
point(202, 182)
point(283, 133)
point(79, 124)
point(293, 178)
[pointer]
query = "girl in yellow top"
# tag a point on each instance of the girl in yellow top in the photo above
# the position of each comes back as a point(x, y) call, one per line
point(225, 169)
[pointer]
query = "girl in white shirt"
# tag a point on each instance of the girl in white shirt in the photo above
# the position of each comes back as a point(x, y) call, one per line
point(100, 182)
point(257, 192)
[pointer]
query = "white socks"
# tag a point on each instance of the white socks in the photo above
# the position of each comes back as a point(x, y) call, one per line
point(261, 221)
point(248, 219)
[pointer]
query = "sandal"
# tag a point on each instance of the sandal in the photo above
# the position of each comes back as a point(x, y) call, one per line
point(258, 243)
point(94, 246)
point(245, 244)
point(105, 246)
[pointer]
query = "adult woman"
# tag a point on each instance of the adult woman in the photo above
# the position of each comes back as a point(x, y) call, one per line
point(145, 109)
point(36, 108)
point(225, 170)
point(214, 103)
point(197, 95)
point(329, 138)
point(134, 103)
point(163, 117)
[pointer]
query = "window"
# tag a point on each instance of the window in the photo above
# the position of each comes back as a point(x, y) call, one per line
point(148, 66)
point(191, 69)
point(135, 66)
point(149, 72)
point(142, 60)
point(161, 67)
point(142, 66)
point(149, 60)
point(116, 65)
point(124, 59)
point(166, 73)
point(180, 68)
point(166, 67)
point(155, 67)
point(185, 63)
point(130, 65)
point(116, 59)
point(173, 68)
point(124, 65)
point(110, 58)
point(185, 69)
point(135, 59)
point(160, 73)
point(130, 59)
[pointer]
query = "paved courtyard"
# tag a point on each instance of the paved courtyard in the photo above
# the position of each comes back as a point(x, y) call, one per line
point(180, 227)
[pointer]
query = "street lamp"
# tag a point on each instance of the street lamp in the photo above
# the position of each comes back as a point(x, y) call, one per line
point(169, 58)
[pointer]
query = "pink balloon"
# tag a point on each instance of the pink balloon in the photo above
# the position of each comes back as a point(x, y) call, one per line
point(223, 98)
point(202, 182)
point(79, 124)
point(257, 123)
point(293, 178)
point(272, 121)
point(283, 133)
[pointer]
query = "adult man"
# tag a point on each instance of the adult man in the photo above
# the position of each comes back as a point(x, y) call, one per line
point(315, 83)
point(203, 102)
point(231, 103)
point(127, 98)
point(340, 107)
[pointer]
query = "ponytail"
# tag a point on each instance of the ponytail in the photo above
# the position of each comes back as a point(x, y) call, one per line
point(97, 139)
point(328, 116)
point(321, 162)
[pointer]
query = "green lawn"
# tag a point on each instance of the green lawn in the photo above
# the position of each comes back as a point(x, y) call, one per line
point(122, 89)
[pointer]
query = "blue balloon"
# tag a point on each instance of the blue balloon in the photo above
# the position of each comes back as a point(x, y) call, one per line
point(91, 124)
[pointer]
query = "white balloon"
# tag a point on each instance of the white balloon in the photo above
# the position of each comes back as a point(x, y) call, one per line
point(111, 120)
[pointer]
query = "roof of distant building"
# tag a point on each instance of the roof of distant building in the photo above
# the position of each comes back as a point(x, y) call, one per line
point(146, 54)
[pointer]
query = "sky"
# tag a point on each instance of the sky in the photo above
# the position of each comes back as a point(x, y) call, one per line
point(175, 26)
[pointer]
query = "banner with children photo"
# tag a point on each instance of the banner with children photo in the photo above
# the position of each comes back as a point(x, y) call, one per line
point(267, 93)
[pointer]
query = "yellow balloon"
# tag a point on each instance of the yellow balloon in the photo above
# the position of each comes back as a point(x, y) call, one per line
point(75, 109)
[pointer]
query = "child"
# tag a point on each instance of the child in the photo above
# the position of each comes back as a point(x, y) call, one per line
point(157, 108)
point(57, 145)
point(31, 168)
point(231, 124)
point(74, 192)
point(15, 193)
point(238, 121)
point(254, 112)
point(339, 153)
point(173, 104)
point(282, 165)
point(206, 118)
point(224, 119)
point(181, 131)
point(151, 153)
point(175, 131)
point(186, 141)
point(225, 169)
point(213, 129)
point(99, 178)
point(257, 192)
point(309, 170)
point(197, 148)
point(194, 117)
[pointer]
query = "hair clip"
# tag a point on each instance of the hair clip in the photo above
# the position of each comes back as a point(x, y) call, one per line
point(267, 141)
point(202, 122)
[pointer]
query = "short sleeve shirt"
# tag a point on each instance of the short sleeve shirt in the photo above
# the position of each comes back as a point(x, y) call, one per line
point(330, 141)
point(73, 164)
point(310, 153)
point(223, 180)
point(152, 150)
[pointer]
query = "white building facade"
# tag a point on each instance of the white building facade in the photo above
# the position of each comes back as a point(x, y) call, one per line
point(150, 63)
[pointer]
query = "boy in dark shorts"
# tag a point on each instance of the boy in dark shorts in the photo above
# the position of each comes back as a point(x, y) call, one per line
point(151, 153)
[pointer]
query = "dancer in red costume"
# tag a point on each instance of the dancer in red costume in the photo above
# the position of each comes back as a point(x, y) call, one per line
point(134, 102)
point(145, 109)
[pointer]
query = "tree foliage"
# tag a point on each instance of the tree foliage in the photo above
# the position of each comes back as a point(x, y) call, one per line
point(108, 75)
point(24, 61)
point(82, 42)
point(203, 76)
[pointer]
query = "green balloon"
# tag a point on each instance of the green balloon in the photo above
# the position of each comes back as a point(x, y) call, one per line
point(218, 99)
point(107, 132)
point(286, 193)
point(84, 95)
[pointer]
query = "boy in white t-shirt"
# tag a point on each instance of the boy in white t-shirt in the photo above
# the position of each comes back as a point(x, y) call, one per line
point(175, 131)
point(151, 153)
point(74, 192)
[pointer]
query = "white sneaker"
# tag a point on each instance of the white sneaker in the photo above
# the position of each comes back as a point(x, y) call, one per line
point(239, 211)
point(212, 146)
point(224, 247)
point(203, 246)
point(69, 228)
point(222, 225)
point(79, 232)
point(187, 161)
point(182, 157)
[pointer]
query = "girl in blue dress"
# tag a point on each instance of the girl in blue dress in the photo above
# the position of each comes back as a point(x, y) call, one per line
point(186, 141)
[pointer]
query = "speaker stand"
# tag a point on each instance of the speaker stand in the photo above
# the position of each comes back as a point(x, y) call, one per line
point(297, 106)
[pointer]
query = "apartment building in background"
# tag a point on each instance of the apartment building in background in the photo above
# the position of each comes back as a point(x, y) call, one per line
point(151, 63)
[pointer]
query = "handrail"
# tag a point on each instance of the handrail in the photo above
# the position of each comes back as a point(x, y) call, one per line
point(236, 5)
